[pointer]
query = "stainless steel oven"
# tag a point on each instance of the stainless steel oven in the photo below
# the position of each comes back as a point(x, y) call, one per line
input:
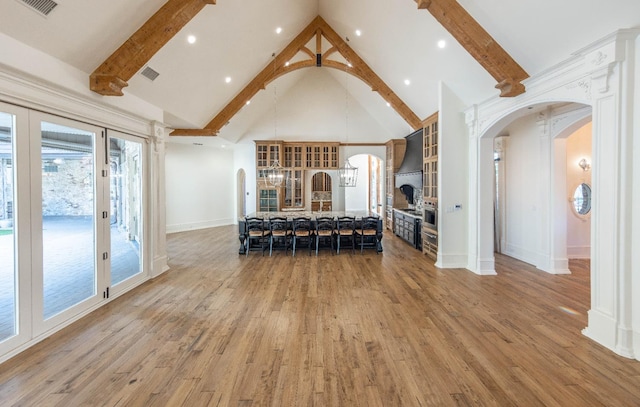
point(430, 218)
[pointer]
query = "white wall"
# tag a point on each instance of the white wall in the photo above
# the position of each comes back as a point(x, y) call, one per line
point(522, 190)
point(325, 115)
point(200, 185)
point(578, 227)
point(453, 181)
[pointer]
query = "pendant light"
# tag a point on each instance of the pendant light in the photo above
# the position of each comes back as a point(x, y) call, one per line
point(274, 175)
point(348, 174)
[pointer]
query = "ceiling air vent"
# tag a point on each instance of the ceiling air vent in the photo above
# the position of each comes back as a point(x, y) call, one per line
point(149, 73)
point(42, 6)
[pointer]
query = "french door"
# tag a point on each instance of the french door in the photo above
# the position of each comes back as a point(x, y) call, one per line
point(68, 228)
point(71, 220)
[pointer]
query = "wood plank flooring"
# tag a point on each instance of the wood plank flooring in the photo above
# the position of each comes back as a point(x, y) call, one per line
point(222, 329)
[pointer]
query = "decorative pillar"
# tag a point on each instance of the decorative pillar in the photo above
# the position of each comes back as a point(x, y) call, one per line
point(611, 313)
point(480, 245)
point(543, 205)
point(157, 201)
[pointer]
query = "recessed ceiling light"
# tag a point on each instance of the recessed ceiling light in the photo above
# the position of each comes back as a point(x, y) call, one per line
point(358, 33)
point(388, 104)
point(286, 63)
point(442, 44)
point(349, 65)
point(227, 79)
point(407, 82)
point(248, 102)
point(191, 39)
point(278, 30)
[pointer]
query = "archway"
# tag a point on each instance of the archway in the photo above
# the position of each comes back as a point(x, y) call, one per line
point(241, 191)
point(367, 194)
point(540, 189)
point(321, 194)
point(596, 78)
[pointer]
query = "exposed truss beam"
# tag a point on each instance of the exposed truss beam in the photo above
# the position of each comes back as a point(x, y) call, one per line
point(318, 28)
point(110, 77)
point(475, 39)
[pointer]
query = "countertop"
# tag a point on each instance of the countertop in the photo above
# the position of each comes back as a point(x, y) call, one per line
point(410, 212)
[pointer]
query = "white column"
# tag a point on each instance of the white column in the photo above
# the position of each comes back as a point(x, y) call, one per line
point(157, 201)
point(610, 316)
point(472, 203)
point(544, 181)
point(481, 190)
point(559, 260)
point(635, 200)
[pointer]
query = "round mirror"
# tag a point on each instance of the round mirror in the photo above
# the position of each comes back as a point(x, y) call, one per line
point(582, 199)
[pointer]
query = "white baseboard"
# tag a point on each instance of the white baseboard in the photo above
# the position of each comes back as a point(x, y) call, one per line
point(184, 227)
point(579, 252)
point(485, 267)
point(452, 261)
point(602, 329)
point(520, 253)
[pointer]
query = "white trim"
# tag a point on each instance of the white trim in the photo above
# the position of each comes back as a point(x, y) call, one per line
point(23, 92)
point(183, 227)
point(452, 261)
point(579, 252)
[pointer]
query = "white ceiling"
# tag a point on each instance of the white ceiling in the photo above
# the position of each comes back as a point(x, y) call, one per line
point(237, 38)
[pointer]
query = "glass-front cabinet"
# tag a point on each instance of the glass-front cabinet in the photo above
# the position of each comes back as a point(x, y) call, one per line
point(430, 184)
point(295, 158)
point(430, 159)
point(267, 200)
point(293, 189)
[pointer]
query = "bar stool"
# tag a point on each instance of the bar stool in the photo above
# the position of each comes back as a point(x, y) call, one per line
point(367, 233)
point(279, 234)
point(325, 229)
point(302, 231)
point(345, 231)
point(257, 233)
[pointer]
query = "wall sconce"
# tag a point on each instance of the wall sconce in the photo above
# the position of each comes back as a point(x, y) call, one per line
point(584, 164)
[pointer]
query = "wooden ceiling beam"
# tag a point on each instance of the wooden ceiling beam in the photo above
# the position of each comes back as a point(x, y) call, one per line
point(112, 75)
point(477, 41)
point(318, 28)
point(369, 76)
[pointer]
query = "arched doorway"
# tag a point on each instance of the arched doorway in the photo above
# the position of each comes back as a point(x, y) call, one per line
point(367, 194)
point(531, 217)
point(241, 191)
point(321, 192)
point(594, 77)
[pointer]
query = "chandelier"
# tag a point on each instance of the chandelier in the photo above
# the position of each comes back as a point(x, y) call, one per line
point(348, 174)
point(274, 175)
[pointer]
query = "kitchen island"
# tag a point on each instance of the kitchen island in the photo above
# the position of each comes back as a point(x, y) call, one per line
point(290, 215)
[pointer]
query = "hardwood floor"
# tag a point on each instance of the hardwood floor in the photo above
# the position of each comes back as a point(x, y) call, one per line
point(222, 329)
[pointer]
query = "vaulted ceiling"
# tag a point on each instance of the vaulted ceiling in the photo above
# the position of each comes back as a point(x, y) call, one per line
point(237, 39)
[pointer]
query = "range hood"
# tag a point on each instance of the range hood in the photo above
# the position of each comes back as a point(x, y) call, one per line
point(409, 175)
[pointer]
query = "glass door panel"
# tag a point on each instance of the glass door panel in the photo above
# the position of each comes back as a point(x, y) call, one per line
point(125, 191)
point(68, 221)
point(8, 272)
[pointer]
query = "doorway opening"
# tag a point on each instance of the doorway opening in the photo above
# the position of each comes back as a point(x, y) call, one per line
point(367, 194)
